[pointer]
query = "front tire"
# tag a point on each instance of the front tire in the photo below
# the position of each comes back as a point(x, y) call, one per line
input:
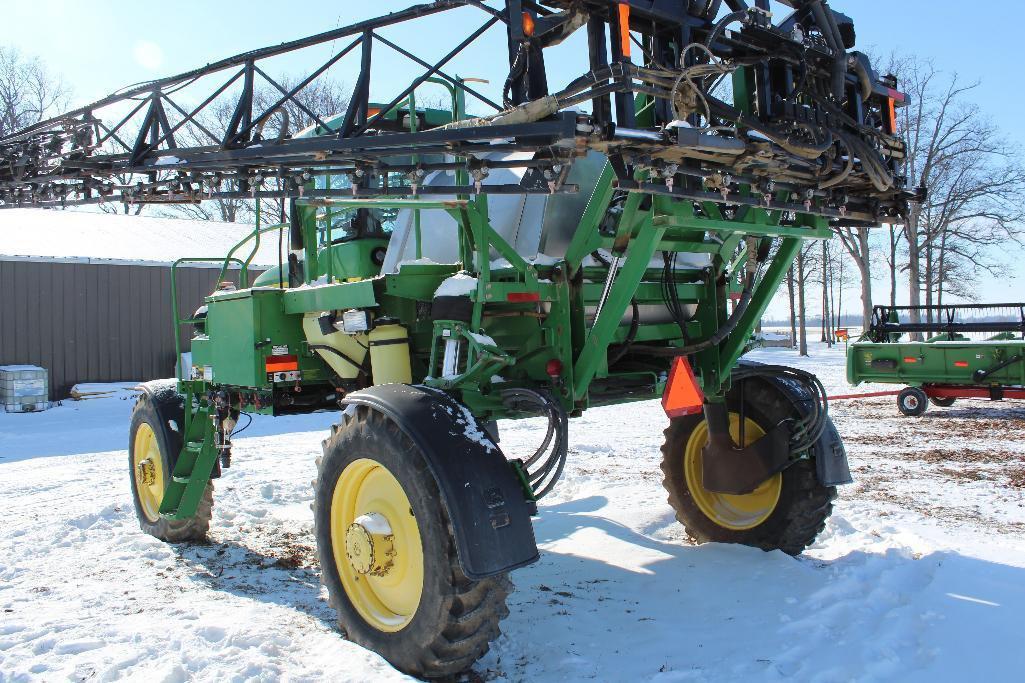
point(942, 401)
point(153, 448)
point(786, 512)
point(388, 557)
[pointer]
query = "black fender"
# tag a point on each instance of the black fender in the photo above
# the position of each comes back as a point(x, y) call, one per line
point(831, 466)
point(169, 404)
point(486, 503)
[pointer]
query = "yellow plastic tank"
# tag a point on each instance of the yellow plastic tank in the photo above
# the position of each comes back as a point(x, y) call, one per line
point(389, 353)
point(349, 346)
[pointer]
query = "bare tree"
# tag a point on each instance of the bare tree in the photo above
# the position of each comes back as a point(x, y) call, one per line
point(793, 306)
point(322, 98)
point(856, 242)
point(28, 91)
point(827, 316)
point(976, 183)
point(805, 266)
point(894, 233)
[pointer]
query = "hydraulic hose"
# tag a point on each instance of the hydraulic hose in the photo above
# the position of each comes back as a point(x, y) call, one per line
point(555, 447)
point(330, 349)
point(631, 336)
point(731, 323)
point(723, 23)
point(808, 429)
point(832, 36)
point(864, 79)
point(796, 147)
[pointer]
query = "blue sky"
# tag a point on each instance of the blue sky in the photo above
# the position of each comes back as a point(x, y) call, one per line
point(98, 47)
point(101, 46)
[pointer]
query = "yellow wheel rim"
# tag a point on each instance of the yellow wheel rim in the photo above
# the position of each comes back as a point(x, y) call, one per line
point(148, 470)
point(728, 511)
point(376, 545)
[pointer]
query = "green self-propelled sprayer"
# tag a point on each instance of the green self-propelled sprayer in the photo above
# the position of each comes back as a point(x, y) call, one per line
point(614, 240)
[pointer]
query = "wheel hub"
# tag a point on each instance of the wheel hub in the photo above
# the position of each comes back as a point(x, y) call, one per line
point(147, 472)
point(370, 545)
point(735, 512)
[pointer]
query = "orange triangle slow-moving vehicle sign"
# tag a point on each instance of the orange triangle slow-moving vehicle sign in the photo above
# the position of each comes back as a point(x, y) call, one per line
point(682, 395)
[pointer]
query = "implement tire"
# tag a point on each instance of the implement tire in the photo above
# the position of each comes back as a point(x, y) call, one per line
point(942, 401)
point(153, 448)
point(912, 402)
point(388, 557)
point(786, 513)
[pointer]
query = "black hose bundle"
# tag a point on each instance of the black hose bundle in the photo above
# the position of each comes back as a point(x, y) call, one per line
point(518, 68)
point(755, 258)
point(545, 466)
point(808, 429)
point(670, 294)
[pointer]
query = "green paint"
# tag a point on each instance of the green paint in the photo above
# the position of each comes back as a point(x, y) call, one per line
point(527, 319)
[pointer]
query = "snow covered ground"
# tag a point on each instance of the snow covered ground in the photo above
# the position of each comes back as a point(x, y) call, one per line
point(920, 574)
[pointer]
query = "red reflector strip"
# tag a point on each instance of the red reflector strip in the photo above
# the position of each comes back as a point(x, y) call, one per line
point(960, 364)
point(282, 363)
point(520, 297)
point(895, 95)
point(909, 359)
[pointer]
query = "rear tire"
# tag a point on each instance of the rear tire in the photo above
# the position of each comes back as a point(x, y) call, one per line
point(153, 448)
point(942, 401)
point(417, 610)
point(787, 512)
point(912, 402)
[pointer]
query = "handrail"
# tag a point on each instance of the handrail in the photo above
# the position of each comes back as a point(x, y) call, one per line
point(256, 233)
point(178, 322)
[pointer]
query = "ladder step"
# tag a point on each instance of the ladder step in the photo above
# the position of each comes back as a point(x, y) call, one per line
point(186, 488)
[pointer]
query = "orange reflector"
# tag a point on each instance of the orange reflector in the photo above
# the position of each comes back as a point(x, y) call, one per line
point(624, 29)
point(373, 111)
point(960, 364)
point(682, 396)
point(520, 297)
point(528, 25)
point(909, 359)
point(282, 363)
point(890, 117)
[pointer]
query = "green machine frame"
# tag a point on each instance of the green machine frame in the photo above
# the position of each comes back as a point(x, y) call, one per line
point(528, 325)
point(528, 322)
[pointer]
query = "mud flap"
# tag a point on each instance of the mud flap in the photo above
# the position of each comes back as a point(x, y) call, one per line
point(486, 504)
point(831, 459)
point(729, 468)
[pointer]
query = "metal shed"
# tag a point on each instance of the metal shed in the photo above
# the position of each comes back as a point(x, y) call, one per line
point(89, 319)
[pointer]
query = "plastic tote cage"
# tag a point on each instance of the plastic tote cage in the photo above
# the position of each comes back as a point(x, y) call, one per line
point(23, 388)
